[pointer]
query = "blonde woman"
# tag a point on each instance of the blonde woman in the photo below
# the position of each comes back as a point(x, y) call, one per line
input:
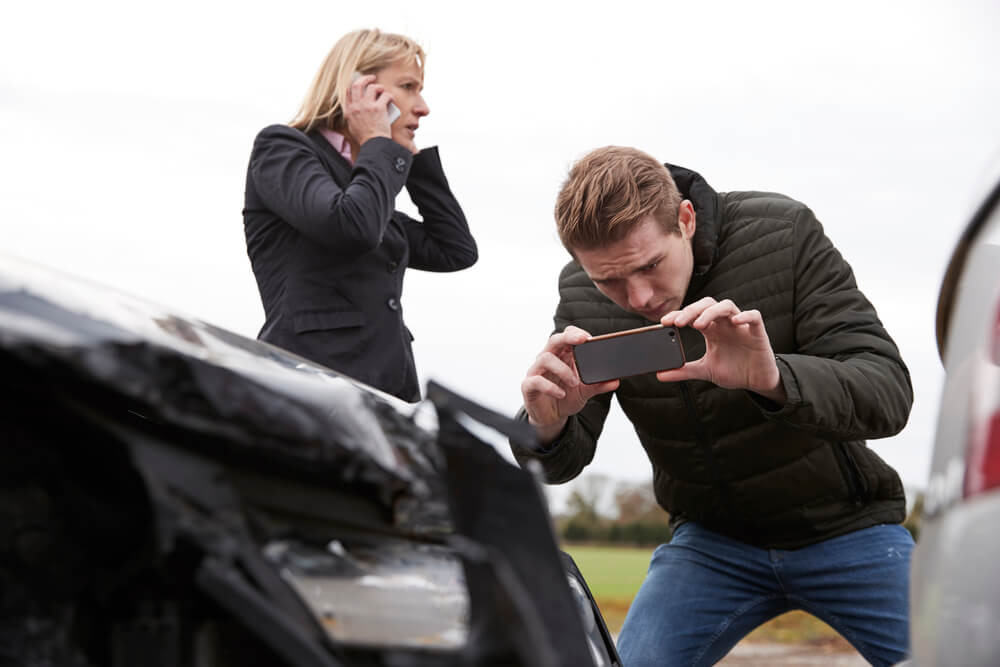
point(327, 247)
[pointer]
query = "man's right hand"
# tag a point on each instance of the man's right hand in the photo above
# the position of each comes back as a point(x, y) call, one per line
point(552, 389)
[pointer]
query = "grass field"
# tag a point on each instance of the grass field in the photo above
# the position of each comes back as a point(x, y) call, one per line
point(614, 574)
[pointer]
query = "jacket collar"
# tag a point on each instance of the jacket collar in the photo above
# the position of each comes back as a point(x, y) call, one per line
point(339, 167)
point(707, 210)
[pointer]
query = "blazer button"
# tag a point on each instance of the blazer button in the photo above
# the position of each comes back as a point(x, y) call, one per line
point(392, 266)
point(392, 303)
point(400, 165)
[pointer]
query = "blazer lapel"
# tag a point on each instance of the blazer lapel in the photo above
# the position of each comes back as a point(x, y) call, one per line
point(335, 163)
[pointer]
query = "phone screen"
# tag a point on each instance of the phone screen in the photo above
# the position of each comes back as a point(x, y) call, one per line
point(627, 353)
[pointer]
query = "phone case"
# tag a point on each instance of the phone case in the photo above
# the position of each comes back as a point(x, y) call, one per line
point(626, 353)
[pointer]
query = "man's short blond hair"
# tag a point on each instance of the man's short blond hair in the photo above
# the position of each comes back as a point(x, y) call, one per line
point(611, 190)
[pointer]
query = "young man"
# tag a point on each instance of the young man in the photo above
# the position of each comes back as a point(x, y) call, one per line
point(758, 442)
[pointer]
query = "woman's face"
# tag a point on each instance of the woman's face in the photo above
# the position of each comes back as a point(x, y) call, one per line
point(404, 81)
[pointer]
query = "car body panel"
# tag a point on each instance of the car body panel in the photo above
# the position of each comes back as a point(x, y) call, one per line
point(955, 577)
point(173, 493)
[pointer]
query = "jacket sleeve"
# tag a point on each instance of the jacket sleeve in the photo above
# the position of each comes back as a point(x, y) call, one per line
point(846, 380)
point(293, 182)
point(442, 242)
point(565, 457)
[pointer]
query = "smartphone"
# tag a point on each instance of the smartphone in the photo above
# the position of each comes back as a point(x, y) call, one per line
point(392, 108)
point(626, 353)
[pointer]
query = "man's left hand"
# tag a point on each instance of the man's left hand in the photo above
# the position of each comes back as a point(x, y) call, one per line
point(738, 353)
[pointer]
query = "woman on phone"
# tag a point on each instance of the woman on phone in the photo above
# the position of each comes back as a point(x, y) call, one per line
point(326, 245)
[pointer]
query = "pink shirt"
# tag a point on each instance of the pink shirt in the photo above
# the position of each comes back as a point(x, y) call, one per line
point(339, 142)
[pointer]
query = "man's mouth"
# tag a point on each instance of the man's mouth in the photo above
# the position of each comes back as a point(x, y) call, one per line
point(654, 314)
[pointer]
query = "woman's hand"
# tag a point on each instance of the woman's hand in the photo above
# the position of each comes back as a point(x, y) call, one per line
point(365, 111)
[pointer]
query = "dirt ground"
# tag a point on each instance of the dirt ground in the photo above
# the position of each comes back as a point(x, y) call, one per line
point(831, 653)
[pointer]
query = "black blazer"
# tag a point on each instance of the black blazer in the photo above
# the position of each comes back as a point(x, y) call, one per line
point(328, 249)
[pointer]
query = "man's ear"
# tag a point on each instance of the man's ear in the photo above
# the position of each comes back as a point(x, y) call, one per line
point(686, 219)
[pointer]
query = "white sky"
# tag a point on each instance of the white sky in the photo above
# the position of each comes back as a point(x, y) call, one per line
point(125, 129)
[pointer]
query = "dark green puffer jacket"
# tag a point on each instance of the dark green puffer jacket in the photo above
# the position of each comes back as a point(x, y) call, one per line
point(769, 475)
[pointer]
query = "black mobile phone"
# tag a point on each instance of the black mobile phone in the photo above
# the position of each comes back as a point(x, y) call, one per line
point(626, 353)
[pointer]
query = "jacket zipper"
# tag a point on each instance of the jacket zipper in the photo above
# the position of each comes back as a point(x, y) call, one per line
point(705, 445)
point(855, 484)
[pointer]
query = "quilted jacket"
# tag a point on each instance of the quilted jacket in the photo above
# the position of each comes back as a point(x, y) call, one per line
point(776, 476)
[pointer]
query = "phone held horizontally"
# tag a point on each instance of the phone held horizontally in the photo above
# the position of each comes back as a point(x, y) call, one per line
point(626, 353)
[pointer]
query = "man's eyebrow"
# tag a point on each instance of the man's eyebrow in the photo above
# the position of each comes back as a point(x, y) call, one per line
point(656, 259)
point(605, 278)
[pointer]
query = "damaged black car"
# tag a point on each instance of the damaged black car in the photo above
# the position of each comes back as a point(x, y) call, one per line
point(174, 494)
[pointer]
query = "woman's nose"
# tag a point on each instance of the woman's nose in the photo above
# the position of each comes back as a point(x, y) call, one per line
point(421, 108)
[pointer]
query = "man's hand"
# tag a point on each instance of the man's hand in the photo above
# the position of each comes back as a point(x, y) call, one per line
point(738, 353)
point(552, 389)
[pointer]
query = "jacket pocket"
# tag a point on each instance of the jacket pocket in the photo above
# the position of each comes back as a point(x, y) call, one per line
point(323, 320)
point(857, 483)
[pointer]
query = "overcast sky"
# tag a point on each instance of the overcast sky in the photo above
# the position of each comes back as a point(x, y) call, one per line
point(125, 130)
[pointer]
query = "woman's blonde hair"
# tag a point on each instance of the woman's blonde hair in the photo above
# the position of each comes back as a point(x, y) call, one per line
point(364, 51)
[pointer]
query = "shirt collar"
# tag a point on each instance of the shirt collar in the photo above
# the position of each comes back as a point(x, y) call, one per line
point(339, 143)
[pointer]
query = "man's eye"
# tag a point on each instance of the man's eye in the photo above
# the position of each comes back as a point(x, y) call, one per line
point(650, 267)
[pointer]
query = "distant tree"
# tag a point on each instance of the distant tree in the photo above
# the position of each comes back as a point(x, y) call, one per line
point(585, 499)
point(638, 519)
point(915, 517)
point(634, 501)
point(584, 521)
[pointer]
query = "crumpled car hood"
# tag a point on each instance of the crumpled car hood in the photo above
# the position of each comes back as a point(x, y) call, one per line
point(212, 383)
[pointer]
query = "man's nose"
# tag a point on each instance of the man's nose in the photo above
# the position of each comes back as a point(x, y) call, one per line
point(638, 294)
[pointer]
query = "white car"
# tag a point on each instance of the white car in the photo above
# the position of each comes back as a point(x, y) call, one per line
point(955, 579)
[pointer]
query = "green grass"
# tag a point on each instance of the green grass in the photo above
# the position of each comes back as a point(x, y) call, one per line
point(614, 575)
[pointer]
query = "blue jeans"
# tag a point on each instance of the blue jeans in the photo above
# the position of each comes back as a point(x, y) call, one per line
point(704, 592)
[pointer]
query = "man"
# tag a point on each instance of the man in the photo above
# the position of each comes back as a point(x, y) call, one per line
point(757, 443)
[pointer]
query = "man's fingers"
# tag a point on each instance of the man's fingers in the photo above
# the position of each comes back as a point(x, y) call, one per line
point(751, 317)
point(569, 336)
point(539, 385)
point(725, 308)
point(693, 370)
point(599, 388)
point(692, 311)
point(549, 363)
